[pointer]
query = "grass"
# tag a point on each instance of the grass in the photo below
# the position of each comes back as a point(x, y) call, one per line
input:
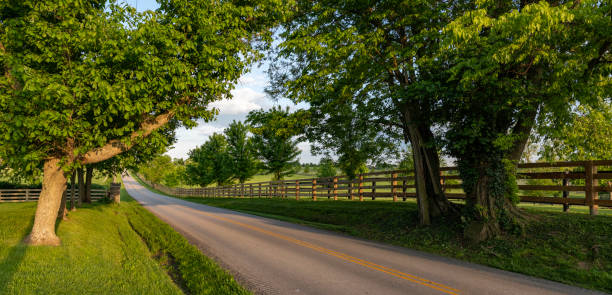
point(106, 248)
point(573, 248)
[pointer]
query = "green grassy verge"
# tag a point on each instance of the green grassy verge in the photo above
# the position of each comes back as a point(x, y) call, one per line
point(106, 249)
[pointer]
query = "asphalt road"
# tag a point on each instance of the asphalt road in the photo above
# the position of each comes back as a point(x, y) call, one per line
point(268, 256)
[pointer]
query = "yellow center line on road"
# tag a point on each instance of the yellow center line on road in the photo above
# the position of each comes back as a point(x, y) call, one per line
point(371, 265)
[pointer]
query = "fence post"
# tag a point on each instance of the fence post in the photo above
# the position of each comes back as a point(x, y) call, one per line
point(393, 186)
point(314, 189)
point(259, 191)
point(373, 190)
point(328, 185)
point(297, 190)
point(565, 193)
point(27, 196)
point(590, 187)
point(404, 190)
point(335, 188)
point(360, 187)
point(250, 190)
point(350, 190)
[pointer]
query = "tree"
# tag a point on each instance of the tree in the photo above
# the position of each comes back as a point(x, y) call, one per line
point(155, 170)
point(210, 163)
point(240, 150)
point(84, 81)
point(377, 58)
point(345, 131)
point(327, 168)
point(586, 136)
point(513, 61)
point(273, 133)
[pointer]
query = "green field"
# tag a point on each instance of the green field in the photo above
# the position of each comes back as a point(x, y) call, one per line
point(573, 248)
point(106, 249)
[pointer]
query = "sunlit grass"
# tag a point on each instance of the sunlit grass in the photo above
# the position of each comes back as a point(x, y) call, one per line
point(106, 249)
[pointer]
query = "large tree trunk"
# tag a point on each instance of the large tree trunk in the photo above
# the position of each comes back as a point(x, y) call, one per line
point(81, 177)
point(54, 185)
point(432, 201)
point(88, 176)
point(491, 198)
point(72, 191)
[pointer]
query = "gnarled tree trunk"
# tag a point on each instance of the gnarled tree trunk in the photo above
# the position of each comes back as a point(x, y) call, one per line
point(54, 185)
point(54, 181)
point(490, 185)
point(432, 201)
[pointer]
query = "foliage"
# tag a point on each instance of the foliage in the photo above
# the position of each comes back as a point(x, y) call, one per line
point(210, 162)
point(369, 71)
point(407, 162)
point(164, 170)
point(587, 136)
point(327, 168)
point(241, 151)
point(513, 62)
point(100, 72)
point(273, 139)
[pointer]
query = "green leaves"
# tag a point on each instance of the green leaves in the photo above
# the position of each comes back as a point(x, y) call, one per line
point(273, 138)
point(210, 162)
point(83, 73)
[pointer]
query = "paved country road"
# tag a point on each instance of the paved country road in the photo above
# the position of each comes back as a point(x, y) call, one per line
point(269, 256)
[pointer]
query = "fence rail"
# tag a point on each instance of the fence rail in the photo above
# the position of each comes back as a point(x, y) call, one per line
point(32, 194)
point(567, 183)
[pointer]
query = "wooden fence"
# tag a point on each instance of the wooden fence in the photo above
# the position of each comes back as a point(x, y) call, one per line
point(32, 194)
point(567, 183)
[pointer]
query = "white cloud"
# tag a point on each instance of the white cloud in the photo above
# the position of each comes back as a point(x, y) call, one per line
point(192, 138)
point(205, 130)
point(244, 100)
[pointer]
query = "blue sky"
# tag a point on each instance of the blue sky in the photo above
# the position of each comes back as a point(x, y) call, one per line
point(248, 95)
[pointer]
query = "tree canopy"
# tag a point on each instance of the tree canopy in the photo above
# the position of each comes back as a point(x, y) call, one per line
point(210, 162)
point(84, 81)
point(274, 138)
point(241, 151)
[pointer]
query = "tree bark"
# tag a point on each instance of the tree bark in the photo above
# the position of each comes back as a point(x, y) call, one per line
point(54, 185)
point(115, 147)
point(72, 191)
point(432, 201)
point(54, 181)
point(88, 176)
point(80, 176)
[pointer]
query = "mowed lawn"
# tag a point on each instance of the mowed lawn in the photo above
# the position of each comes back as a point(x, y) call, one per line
point(106, 249)
point(573, 248)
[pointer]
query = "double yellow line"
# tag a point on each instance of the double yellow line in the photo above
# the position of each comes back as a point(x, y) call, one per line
point(346, 257)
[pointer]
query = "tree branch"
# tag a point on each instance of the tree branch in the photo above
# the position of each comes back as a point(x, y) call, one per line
point(523, 129)
point(115, 147)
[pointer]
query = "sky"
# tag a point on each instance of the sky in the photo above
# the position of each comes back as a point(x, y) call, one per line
point(248, 95)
